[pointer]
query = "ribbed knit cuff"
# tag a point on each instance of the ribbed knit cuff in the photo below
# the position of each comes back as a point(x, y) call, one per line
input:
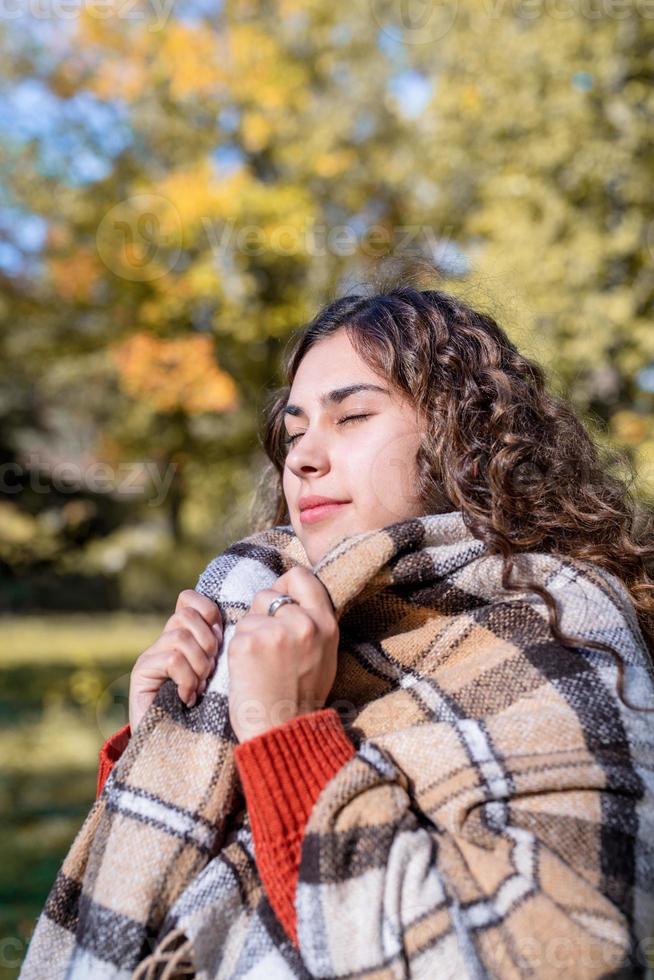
point(283, 771)
point(110, 753)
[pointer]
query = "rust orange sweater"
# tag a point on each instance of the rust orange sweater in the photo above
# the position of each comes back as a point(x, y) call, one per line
point(282, 773)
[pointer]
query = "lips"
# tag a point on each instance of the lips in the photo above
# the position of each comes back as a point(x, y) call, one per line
point(320, 511)
point(314, 500)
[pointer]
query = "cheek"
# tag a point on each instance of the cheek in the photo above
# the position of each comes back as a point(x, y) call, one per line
point(391, 470)
point(392, 451)
point(289, 481)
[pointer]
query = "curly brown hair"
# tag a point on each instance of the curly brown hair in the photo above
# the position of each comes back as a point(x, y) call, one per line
point(513, 457)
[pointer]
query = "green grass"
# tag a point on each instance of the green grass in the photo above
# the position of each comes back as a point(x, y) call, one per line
point(63, 690)
point(77, 639)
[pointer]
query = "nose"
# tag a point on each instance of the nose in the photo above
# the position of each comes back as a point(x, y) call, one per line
point(309, 454)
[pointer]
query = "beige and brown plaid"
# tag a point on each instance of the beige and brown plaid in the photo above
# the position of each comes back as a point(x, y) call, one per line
point(496, 819)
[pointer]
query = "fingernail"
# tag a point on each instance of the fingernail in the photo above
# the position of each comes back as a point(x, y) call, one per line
point(191, 702)
point(203, 687)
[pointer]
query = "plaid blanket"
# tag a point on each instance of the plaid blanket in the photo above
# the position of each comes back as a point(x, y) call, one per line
point(495, 820)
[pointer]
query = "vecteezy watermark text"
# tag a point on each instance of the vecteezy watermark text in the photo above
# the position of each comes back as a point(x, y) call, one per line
point(134, 479)
point(155, 13)
point(318, 239)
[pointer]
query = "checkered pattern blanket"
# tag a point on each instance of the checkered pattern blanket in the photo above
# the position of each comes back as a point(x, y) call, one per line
point(496, 819)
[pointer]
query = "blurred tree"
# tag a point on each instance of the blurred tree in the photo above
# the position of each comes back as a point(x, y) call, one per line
point(539, 162)
point(206, 181)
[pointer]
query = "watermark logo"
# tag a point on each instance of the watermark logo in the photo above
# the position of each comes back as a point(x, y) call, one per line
point(415, 21)
point(140, 238)
point(112, 711)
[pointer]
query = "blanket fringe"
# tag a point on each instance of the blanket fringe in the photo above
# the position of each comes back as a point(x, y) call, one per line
point(176, 963)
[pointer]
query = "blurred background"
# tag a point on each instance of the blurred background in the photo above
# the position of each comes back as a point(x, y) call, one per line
point(183, 183)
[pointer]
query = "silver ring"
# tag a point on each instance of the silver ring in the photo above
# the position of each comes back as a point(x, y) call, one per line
point(279, 601)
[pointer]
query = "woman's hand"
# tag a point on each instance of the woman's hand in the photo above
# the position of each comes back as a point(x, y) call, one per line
point(186, 651)
point(284, 665)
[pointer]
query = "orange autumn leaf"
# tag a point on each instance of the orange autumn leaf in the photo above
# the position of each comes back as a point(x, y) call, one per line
point(75, 276)
point(174, 374)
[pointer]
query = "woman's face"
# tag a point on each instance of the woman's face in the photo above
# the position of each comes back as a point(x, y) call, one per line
point(370, 463)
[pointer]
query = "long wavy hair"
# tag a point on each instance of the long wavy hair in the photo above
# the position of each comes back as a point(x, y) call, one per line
point(511, 455)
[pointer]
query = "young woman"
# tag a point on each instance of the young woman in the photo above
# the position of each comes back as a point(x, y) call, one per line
point(396, 404)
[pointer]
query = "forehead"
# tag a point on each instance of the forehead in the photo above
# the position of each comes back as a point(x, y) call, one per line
point(331, 362)
point(331, 353)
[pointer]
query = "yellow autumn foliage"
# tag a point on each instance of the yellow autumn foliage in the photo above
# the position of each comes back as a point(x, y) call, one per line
point(192, 59)
point(118, 50)
point(197, 194)
point(333, 162)
point(256, 131)
point(629, 427)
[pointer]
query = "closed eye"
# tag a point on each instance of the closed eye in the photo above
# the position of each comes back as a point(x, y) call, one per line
point(289, 440)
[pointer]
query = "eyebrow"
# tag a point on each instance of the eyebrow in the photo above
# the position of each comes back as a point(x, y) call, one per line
point(335, 397)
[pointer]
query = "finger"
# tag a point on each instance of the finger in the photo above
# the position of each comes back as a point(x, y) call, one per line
point(258, 616)
point(307, 590)
point(181, 639)
point(261, 603)
point(294, 617)
point(254, 621)
point(175, 664)
point(305, 586)
point(207, 608)
point(191, 619)
point(182, 673)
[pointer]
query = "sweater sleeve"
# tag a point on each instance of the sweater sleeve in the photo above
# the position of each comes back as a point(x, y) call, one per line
point(110, 753)
point(283, 771)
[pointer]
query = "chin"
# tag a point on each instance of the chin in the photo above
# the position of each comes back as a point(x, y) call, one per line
point(315, 548)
